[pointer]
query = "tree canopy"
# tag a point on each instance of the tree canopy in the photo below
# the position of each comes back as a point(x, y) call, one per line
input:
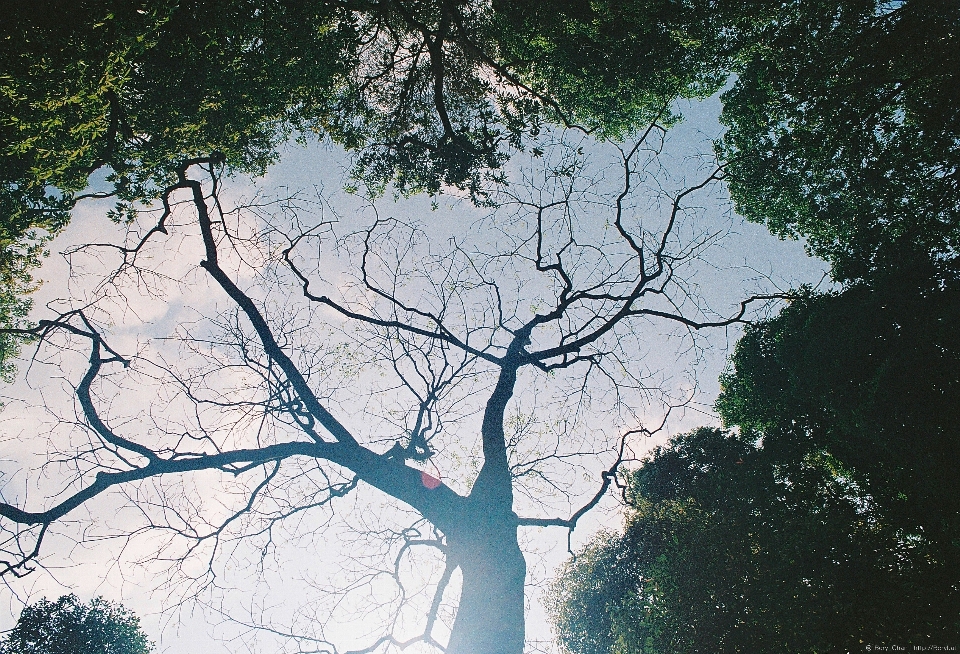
point(830, 517)
point(730, 547)
point(868, 375)
point(845, 129)
point(68, 626)
point(430, 92)
point(837, 132)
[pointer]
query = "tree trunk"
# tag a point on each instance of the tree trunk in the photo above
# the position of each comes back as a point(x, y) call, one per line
point(484, 542)
point(490, 618)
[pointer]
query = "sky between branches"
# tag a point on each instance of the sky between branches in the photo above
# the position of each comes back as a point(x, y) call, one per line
point(745, 261)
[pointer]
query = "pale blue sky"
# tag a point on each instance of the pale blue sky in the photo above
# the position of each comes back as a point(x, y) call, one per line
point(745, 260)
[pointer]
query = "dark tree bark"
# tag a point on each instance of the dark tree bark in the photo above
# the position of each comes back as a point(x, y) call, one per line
point(490, 617)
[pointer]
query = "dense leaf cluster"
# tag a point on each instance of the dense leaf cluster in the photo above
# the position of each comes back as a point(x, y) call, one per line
point(731, 547)
point(845, 129)
point(830, 518)
point(613, 66)
point(69, 627)
point(869, 375)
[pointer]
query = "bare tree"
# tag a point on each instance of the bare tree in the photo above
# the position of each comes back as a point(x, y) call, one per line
point(556, 290)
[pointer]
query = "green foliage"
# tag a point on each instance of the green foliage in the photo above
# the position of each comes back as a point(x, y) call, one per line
point(845, 129)
point(20, 250)
point(613, 66)
point(830, 520)
point(427, 92)
point(730, 548)
point(134, 88)
point(69, 627)
point(870, 375)
point(593, 593)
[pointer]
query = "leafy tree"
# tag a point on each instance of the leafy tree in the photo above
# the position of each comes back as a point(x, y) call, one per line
point(15, 285)
point(730, 548)
point(69, 627)
point(837, 132)
point(138, 87)
point(869, 375)
point(830, 519)
point(611, 66)
point(844, 129)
